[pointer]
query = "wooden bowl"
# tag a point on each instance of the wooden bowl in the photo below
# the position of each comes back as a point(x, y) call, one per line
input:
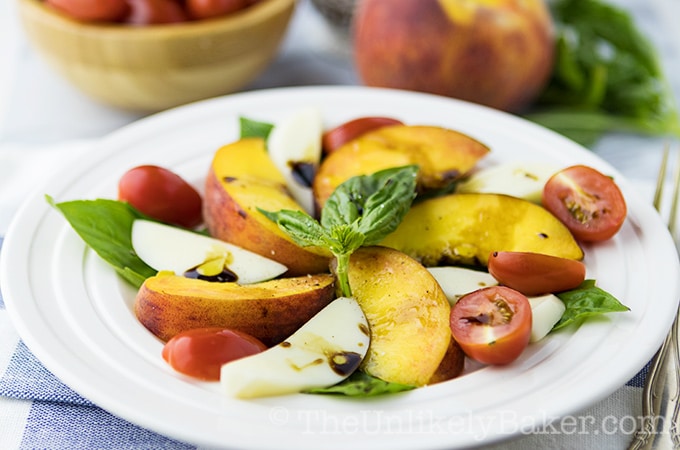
point(152, 68)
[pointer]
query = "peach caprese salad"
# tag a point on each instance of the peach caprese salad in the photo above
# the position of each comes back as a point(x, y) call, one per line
point(372, 257)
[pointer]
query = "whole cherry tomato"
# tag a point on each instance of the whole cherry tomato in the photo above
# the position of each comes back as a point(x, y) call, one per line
point(162, 195)
point(492, 325)
point(150, 12)
point(588, 202)
point(204, 9)
point(534, 273)
point(200, 353)
point(92, 10)
point(336, 137)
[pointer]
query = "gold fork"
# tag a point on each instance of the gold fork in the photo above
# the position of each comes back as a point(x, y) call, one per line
point(660, 427)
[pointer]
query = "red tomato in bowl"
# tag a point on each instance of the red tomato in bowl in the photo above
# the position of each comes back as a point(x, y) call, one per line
point(338, 136)
point(92, 10)
point(588, 202)
point(162, 195)
point(200, 353)
point(204, 9)
point(151, 12)
point(534, 273)
point(492, 325)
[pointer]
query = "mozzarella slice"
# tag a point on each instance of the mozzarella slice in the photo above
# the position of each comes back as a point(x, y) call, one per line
point(294, 145)
point(323, 352)
point(167, 248)
point(458, 281)
point(546, 311)
point(523, 180)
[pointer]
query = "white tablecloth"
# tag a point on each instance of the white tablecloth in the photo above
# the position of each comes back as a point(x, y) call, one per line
point(45, 123)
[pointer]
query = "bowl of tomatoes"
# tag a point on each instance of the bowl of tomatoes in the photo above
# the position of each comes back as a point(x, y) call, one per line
point(151, 55)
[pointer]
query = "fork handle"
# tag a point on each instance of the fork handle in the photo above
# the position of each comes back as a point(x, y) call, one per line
point(660, 427)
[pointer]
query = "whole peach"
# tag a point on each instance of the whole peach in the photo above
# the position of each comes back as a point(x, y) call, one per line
point(497, 53)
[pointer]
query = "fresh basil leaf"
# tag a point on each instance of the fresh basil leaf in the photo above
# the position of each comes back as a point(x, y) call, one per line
point(133, 277)
point(341, 208)
point(587, 300)
point(299, 225)
point(606, 76)
point(387, 206)
point(106, 227)
point(253, 128)
point(375, 204)
point(360, 384)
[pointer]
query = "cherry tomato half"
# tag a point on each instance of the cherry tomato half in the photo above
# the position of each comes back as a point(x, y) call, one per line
point(204, 9)
point(588, 202)
point(162, 195)
point(492, 324)
point(200, 353)
point(150, 12)
point(92, 10)
point(341, 134)
point(534, 273)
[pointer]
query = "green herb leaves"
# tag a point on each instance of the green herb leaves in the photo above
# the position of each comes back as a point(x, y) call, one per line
point(606, 76)
point(106, 227)
point(254, 128)
point(360, 384)
point(587, 300)
point(375, 203)
point(360, 212)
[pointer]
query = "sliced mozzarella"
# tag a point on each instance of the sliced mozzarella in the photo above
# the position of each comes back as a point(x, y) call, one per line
point(164, 247)
point(323, 352)
point(522, 180)
point(546, 311)
point(294, 145)
point(458, 281)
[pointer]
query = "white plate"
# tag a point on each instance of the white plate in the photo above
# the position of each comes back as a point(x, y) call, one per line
point(74, 313)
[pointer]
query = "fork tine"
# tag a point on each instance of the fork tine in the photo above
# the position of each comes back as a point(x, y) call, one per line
point(661, 177)
point(676, 196)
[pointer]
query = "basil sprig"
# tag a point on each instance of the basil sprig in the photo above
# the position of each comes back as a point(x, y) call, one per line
point(360, 212)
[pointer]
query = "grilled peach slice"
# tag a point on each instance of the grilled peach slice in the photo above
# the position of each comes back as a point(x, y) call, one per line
point(466, 228)
point(409, 321)
point(443, 156)
point(243, 178)
point(168, 304)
